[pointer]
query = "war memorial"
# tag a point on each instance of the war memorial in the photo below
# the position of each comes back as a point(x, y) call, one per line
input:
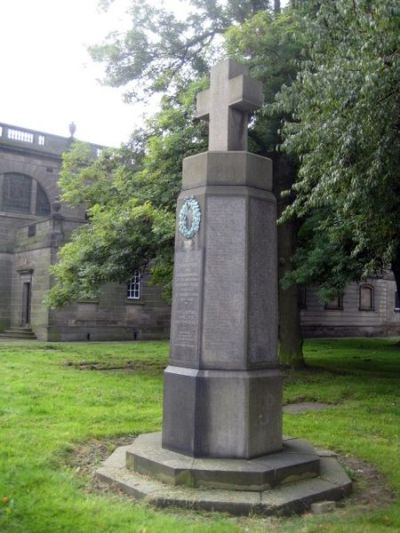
point(221, 446)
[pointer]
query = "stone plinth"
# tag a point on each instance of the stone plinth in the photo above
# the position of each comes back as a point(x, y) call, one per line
point(296, 461)
point(281, 483)
point(223, 168)
point(214, 413)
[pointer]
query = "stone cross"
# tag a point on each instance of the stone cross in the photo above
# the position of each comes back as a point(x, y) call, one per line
point(227, 103)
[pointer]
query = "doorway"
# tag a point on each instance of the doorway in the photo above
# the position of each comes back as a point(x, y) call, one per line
point(26, 303)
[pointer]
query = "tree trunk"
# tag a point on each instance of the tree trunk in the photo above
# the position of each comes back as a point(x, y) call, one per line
point(277, 6)
point(290, 334)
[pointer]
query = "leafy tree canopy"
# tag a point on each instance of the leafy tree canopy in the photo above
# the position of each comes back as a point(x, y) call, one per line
point(130, 195)
point(163, 50)
point(141, 189)
point(345, 131)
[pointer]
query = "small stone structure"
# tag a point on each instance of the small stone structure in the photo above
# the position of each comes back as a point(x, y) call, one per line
point(221, 446)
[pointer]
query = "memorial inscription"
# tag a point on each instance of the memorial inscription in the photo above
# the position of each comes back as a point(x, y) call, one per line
point(224, 288)
point(186, 309)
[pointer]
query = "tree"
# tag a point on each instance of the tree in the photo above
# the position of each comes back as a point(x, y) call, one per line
point(162, 51)
point(155, 56)
point(345, 132)
point(272, 45)
point(130, 195)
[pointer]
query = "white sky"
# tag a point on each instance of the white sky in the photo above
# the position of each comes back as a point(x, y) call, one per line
point(47, 77)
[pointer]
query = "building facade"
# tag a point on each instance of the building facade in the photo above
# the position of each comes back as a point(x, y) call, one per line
point(365, 309)
point(33, 226)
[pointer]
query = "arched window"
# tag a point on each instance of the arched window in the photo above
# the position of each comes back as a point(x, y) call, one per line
point(366, 298)
point(17, 193)
point(22, 194)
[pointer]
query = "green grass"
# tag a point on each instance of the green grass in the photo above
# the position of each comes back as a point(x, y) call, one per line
point(50, 404)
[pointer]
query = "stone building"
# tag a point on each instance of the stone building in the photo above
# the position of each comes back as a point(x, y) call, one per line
point(33, 225)
point(364, 309)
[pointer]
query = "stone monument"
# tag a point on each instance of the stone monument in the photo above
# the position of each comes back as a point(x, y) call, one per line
point(221, 446)
point(223, 386)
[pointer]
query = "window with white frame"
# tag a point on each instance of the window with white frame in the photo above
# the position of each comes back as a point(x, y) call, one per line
point(134, 287)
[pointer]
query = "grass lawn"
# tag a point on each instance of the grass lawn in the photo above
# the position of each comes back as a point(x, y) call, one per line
point(55, 397)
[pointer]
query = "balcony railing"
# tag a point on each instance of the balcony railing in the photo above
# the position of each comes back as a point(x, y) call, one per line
point(12, 133)
point(37, 140)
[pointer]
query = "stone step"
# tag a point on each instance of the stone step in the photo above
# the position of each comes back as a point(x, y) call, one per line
point(296, 461)
point(18, 333)
point(20, 328)
point(292, 494)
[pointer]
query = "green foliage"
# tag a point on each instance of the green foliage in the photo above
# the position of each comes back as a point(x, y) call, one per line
point(131, 206)
point(130, 195)
point(161, 50)
point(345, 132)
point(51, 406)
point(271, 45)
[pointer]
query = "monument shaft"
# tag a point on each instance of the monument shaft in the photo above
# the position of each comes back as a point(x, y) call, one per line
point(222, 388)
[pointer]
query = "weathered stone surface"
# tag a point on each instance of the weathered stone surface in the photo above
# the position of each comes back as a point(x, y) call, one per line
point(207, 414)
point(297, 460)
point(224, 311)
point(284, 499)
point(323, 507)
point(232, 94)
point(222, 390)
point(227, 168)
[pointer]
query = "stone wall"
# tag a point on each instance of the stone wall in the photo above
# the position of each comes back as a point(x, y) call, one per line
point(31, 266)
point(113, 317)
point(6, 268)
point(350, 321)
point(29, 245)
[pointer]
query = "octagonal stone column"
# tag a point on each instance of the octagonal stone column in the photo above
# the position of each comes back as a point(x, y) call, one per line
point(222, 386)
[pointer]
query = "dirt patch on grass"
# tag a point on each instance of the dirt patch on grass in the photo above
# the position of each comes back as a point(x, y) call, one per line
point(370, 488)
point(304, 407)
point(128, 366)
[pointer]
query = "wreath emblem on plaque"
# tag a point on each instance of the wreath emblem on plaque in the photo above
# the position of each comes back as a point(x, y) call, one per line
point(189, 218)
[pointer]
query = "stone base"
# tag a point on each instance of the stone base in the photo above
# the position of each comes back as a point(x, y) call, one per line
point(222, 413)
point(285, 482)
